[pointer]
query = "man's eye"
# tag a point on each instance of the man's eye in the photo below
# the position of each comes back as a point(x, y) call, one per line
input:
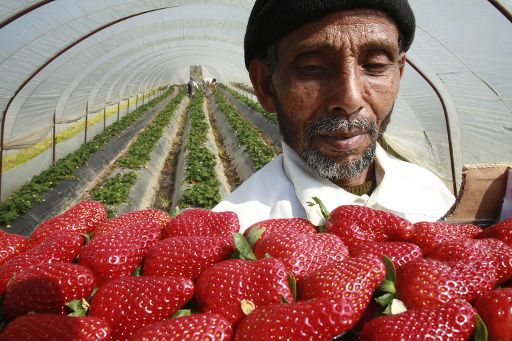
point(310, 69)
point(376, 68)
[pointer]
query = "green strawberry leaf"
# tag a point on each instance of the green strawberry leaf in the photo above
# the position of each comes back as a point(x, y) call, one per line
point(481, 333)
point(387, 286)
point(175, 212)
point(323, 210)
point(390, 269)
point(292, 281)
point(267, 256)
point(137, 272)
point(283, 299)
point(87, 237)
point(182, 312)
point(78, 307)
point(255, 234)
point(385, 301)
point(243, 247)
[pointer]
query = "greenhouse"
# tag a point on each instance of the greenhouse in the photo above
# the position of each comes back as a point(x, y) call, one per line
point(119, 111)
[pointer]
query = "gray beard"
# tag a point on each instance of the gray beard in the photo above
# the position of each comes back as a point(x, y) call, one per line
point(325, 167)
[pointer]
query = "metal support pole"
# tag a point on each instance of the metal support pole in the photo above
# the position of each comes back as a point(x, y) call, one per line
point(117, 111)
point(143, 98)
point(128, 107)
point(137, 101)
point(54, 140)
point(86, 119)
point(104, 118)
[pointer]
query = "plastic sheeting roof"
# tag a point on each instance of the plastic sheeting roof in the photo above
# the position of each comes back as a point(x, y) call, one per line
point(64, 57)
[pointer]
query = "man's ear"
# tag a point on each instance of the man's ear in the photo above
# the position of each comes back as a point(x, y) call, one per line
point(261, 83)
point(402, 61)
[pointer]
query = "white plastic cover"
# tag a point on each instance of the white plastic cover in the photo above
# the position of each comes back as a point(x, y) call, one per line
point(67, 57)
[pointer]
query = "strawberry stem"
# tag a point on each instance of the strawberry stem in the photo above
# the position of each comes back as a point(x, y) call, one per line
point(255, 234)
point(323, 210)
point(243, 247)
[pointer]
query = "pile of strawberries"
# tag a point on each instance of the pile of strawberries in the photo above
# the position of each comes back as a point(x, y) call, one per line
point(145, 275)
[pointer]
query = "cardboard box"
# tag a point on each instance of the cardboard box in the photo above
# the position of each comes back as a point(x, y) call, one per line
point(481, 195)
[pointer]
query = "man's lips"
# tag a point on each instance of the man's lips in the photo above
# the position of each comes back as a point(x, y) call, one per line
point(342, 141)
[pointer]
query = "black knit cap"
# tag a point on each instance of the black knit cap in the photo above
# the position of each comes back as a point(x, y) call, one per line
point(270, 20)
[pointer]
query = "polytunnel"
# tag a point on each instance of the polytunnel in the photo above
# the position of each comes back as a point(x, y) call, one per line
point(64, 62)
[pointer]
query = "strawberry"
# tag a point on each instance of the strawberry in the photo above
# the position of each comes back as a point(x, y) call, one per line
point(56, 328)
point(449, 321)
point(302, 253)
point(130, 303)
point(62, 247)
point(83, 218)
point(11, 244)
point(318, 319)
point(429, 282)
point(258, 230)
point(46, 288)
point(400, 253)
point(120, 252)
point(185, 256)
point(203, 222)
point(355, 224)
point(222, 287)
point(501, 230)
point(353, 279)
point(428, 235)
point(477, 250)
point(158, 216)
point(195, 327)
point(495, 308)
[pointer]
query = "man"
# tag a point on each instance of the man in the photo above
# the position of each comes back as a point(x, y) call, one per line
point(331, 71)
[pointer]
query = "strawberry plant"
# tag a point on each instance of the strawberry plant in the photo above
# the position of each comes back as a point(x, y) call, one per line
point(202, 186)
point(64, 169)
point(259, 150)
point(269, 116)
point(116, 189)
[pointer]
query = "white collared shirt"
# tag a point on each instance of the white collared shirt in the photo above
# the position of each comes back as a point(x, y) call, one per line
point(283, 188)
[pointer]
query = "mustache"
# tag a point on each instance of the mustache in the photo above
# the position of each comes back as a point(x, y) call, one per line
point(327, 125)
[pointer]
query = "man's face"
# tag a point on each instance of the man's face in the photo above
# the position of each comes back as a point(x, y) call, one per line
point(336, 81)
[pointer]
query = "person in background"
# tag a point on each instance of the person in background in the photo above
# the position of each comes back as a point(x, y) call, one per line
point(190, 87)
point(331, 71)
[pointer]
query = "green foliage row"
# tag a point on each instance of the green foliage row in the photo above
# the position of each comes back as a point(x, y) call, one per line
point(260, 151)
point(269, 116)
point(203, 185)
point(116, 190)
point(64, 169)
point(139, 152)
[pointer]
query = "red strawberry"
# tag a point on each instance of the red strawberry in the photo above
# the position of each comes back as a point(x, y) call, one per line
point(477, 250)
point(495, 308)
point(83, 218)
point(400, 253)
point(355, 224)
point(428, 235)
point(203, 222)
point(120, 252)
point(300, 252)
point(354, 279)
point(222, 287)
point(449, 321)
point(429, 282)
point(501, 230)
point(56, 328)
point(258, 230)
point(11, 244)
point(158, 216)
point(63, 247)
point(185, 256)
point(319, 319)
point(195, 327)
point(130, 303)
point(46, 288)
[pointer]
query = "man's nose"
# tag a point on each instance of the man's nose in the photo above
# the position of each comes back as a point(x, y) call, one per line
point(345, 92)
